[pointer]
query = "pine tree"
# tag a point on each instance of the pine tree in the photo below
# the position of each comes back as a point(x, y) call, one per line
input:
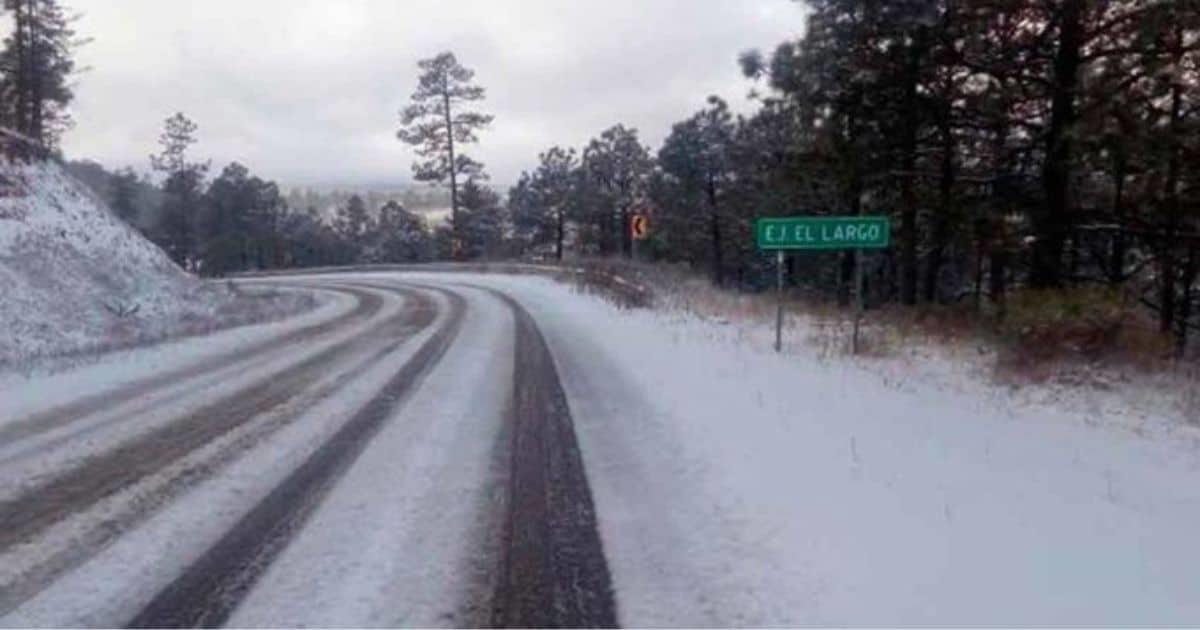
point(696, 155)
point(123, 194)
point(182, 189)
point(37, 62)
point(540, 202)
point(242, 222)
point(619, 166)
point(403, 236)
point(438, 125)
point(353, 226)
point(481, 224)
point(531, 221)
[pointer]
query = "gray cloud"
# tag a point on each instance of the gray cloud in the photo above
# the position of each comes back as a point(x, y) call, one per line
point(307, 91)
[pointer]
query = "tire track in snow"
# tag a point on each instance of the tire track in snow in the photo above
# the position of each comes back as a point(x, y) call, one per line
point(115, 411)
point(553, 572)
point(22, 517)
point(151, 492)
point(368, 305)
point(208, 591)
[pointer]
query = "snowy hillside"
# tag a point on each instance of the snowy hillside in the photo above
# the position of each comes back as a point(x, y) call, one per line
point(76, 279)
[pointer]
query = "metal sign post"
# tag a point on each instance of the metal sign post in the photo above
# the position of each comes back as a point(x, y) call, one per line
point(858, 290)
point(779, 301)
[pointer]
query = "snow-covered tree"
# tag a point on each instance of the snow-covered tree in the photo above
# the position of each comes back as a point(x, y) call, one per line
point(438, 123)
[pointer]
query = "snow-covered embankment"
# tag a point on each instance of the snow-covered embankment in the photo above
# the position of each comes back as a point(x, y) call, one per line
point(76, 279)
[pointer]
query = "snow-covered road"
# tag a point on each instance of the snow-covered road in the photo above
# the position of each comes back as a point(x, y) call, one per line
point(456, 449)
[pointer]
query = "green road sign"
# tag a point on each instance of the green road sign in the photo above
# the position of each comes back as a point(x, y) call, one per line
point(822, 233)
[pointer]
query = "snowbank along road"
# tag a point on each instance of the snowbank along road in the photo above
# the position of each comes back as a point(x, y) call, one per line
point(455, 449)
point(411, 430)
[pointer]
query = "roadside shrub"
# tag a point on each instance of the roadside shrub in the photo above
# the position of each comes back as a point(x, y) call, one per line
point(944, 323)
point(1086, 324)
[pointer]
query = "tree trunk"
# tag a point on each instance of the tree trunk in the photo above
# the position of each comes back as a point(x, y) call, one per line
point(558, 234)
point(626, 234)
point(853, 201)
point(908, 164)
point(1073, 256)
point(1052, 223)
point(997, 278)
point(1185, 303)
point(941, 221)
point(454, 227)
point(37, 100)
point(1166, 314)
point(848, 261)
point(22, 35)
point(718, 263)
point(977, 291)
point(1116, 263)
point(937, 255)
point(845, 278)
point(607, 244)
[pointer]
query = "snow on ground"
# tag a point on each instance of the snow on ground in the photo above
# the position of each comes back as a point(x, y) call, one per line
point(25, 394)
point(111, 587)
point(733, 486)
point(77, 279)
point(37, 457)
point(397, 541)
point(738, 487)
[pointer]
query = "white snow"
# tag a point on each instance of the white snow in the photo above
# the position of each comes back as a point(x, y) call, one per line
point(395, 541)
point(35, 458)
point(77, 279)
point(27, 394)
point(737, 487)
point(111, 587)
point(733, 487)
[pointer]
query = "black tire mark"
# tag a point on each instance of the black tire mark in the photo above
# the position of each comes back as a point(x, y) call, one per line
point(118, 409)
point(553, 572)
point(209, 590)
point(368, 305)
point(22, 517)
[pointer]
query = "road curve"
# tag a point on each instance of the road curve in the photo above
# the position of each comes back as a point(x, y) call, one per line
point(87, 478)
point(148, 443)
point(207, 592)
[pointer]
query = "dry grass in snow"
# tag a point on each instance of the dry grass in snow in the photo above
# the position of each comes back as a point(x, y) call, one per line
point(1108, 360)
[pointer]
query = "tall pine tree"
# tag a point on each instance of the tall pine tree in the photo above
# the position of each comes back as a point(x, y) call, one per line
point(438, 122)
point(182, 189)
point(37, 62)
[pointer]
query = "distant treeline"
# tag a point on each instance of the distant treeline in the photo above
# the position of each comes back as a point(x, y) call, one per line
point(1043, 144)
point(238, 221)
point(1016, 144)
point(234, 220)
point(242, 222)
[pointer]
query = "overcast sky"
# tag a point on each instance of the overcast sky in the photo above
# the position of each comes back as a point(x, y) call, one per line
point(307, 92)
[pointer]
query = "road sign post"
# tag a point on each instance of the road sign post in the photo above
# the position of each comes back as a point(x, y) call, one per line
point(781, 234)
point(779, 301)
point(858, 293)
point(639, 230)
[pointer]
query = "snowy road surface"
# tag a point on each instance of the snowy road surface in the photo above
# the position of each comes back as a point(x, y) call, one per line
point(456, 449)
